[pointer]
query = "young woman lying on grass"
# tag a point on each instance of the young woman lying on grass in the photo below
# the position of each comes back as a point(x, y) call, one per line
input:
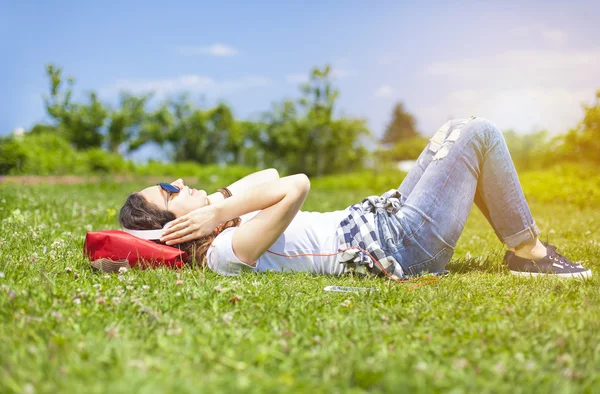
point(404, 232)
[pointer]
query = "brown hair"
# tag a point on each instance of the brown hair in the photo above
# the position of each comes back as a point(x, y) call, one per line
point(139, 214)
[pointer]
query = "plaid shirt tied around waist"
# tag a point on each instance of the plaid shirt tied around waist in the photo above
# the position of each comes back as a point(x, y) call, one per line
point(356, 230)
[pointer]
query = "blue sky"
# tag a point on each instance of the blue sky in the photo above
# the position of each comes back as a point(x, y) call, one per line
point(524, 65)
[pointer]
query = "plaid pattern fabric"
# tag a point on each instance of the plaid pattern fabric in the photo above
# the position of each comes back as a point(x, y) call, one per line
point(356, 230)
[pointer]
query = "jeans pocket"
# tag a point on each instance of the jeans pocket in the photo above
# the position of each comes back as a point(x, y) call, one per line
point(434, 264)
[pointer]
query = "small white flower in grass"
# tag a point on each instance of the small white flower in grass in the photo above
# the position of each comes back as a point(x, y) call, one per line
point(116, 300)
point(123, 270)
point(88, 227)
point(129, 287)
point(519, 357)
point(346, 303)
point(77, 301)
point(177, 294)
point(227, 317)
point(500, 368)
point(179, 282)
point(460, 363)
point(69, 269)
point(174, 331)
point(28, 388)
point(1, 275)
point(421, 366)
point(106, 276)
point(57, 315)
point(145, 287)
point(97, 286)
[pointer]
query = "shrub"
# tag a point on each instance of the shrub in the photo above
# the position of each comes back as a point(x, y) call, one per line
point(408, 149)
point(46, 153)
point(40, 154)
point(573, 183)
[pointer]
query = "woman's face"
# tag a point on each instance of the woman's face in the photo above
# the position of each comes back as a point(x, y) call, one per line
point(180, 203)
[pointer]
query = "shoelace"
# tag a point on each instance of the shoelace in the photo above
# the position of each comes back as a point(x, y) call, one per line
point(554, 255)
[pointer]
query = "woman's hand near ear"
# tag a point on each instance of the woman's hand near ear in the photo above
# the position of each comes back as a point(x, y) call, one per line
point(194, 225)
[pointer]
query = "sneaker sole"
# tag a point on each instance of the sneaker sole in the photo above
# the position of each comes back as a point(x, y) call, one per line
point(584, 274)
point(109, 266)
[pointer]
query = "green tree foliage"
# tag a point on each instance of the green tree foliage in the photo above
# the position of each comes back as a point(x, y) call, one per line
point(295, 135)
point(532, 150)
point(583, 141)
point(304, 136)
point(408, 149)
point(401, 127)
point(125, 122)
point(80, 124)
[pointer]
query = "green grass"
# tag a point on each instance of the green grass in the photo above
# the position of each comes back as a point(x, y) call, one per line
point(65, 328)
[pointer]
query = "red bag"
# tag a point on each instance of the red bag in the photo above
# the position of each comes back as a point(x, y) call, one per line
point(110, 250)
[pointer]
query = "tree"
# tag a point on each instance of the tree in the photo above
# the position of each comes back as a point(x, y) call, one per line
point(80, 124)
point(401, 127)
point(303, 136)
point(126, 121)
point(583, 142)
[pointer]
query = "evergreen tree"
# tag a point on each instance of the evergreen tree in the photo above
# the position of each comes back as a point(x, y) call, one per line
point(401, 127)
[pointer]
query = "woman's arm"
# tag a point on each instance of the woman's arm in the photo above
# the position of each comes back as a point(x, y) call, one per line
point(246, 183)
point(279, 201)
point(278, 206)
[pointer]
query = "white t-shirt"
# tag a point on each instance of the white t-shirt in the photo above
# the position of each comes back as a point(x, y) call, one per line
point(308, 233)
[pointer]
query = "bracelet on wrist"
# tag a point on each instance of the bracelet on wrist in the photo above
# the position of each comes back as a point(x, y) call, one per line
point(225, 192)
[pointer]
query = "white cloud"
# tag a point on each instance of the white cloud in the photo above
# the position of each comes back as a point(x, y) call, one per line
point(384, 91)
point(517, 89)
point(538, 31)
point(525, 110)
point(186, 83)
point(212, 50)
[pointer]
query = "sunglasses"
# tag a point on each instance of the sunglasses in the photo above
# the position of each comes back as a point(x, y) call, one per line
point(169, 189)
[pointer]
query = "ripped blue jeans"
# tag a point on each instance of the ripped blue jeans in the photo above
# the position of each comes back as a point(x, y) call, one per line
point(466, 161)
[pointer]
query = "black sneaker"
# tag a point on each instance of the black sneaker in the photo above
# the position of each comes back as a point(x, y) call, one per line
point(553, 264)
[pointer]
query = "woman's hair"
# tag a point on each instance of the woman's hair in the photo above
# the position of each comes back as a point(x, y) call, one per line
point(139, 214)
